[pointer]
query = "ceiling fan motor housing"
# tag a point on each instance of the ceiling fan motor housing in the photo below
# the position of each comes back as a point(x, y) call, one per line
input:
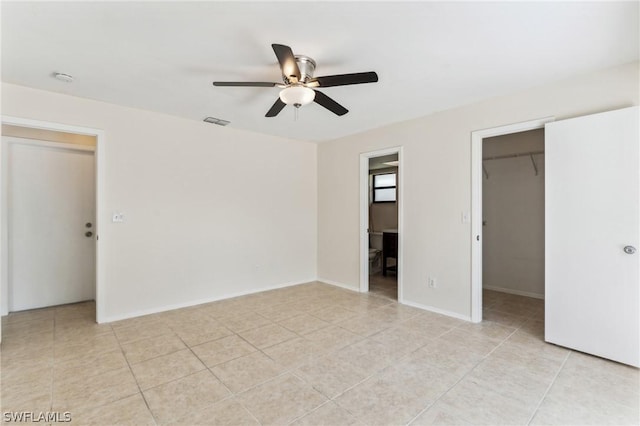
point(307, 66)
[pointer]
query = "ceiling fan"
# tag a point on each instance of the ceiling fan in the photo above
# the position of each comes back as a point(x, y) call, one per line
point(299, 83)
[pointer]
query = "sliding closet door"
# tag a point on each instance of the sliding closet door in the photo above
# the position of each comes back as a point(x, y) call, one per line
point(592, 210)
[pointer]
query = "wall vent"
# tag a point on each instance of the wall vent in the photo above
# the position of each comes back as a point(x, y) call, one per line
point(217, 121)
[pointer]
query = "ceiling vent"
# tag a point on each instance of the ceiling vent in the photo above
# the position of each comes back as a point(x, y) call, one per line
point(63, 77)
point(217, 121)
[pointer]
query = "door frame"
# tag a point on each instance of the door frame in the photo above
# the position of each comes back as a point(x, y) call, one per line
point(476, 202)
point(100, 218)
point(364, 216)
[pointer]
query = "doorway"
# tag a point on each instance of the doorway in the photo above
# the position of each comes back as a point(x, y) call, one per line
point(500, 151)
point(381, 223)
point(513, 213)
point(591, 231)
point(513, 227)
point(383, 226)
point(78, 152)
point(50, 190)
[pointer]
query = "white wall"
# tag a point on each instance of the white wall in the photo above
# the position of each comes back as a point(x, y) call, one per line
point(513, 213)
point(437, 183)
point(210, 211)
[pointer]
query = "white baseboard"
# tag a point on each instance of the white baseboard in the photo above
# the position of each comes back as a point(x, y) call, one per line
point(437, 310)
point(338, 284)
point(404, 302)
point(199, 302)
point(516, 292)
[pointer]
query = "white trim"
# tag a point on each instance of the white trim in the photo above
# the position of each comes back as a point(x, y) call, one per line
point(476, 203)
point(55, 145)
point(101, 216)
point(512, 291)
point(364, 223)
point(338, 284)
point(48, 125)
point(400, 197)
point(172, 307)
point(438, 311)
point(364, 216)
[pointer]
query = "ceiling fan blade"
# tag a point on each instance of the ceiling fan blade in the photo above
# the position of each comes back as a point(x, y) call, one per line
point(330, 104)
point(275, 108)
point(287, 61)
point(344, 79)
point(243, 84)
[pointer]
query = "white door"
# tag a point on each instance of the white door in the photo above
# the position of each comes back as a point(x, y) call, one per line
point(592, 213)
point(51, 202)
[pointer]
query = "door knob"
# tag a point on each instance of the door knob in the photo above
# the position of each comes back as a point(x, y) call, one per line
point(629, 249)
point(88, 234)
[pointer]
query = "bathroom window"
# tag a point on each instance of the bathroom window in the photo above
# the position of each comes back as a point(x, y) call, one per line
point(384, 188)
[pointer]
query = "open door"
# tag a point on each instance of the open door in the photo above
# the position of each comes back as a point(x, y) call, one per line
point(592, 214)
point(51, 223)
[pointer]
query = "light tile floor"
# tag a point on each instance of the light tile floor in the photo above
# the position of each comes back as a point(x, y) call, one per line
point(308, 355)
point(383, 286)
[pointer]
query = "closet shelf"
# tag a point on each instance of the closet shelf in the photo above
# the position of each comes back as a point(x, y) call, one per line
point(521, 154)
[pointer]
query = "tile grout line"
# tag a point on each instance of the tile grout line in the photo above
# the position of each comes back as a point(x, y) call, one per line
point(406, 356)
point(118, 399)
point(328, 401)
point(370, 376)
point(146, 403)
point(555, 377)
point(480, 361)
point(206, 367)
point(233, 395)
point(332, 399)
point(291, 369)
point(154, 357)
point(249, 411)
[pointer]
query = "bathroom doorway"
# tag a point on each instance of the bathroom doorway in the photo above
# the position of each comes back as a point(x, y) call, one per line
point(381, 219)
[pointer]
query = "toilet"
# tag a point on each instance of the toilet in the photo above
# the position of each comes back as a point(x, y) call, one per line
point(375, 252)
point(374, 261)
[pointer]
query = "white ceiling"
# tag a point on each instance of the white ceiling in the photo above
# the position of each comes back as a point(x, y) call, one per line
point(430, 56)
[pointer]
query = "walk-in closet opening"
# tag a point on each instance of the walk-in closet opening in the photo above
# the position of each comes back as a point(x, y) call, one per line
point(513, 226)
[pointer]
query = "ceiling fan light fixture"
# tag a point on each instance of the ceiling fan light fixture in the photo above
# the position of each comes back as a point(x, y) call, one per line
point(297, 95)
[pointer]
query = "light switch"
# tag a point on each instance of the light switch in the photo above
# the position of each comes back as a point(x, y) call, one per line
point(117, 217)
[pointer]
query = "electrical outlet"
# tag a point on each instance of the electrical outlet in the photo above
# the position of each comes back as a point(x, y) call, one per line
point(432, 283)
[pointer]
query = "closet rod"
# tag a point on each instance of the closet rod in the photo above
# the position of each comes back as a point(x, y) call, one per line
point(522, 154)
